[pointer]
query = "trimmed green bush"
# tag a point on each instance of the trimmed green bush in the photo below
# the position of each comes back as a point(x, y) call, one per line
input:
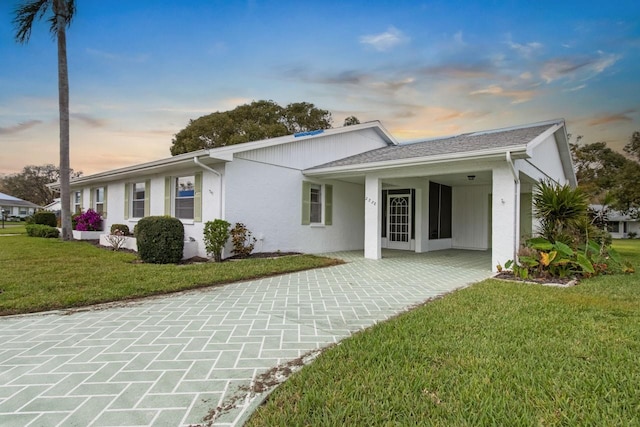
point(160, 239)
point(41, 230)
point(44, 218)
point(123, 228)
point(216, 234)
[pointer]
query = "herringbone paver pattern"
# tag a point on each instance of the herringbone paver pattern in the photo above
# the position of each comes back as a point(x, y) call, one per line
point(168, 361)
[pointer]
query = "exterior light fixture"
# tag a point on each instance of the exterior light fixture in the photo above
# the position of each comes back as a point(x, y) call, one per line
point(471, 177)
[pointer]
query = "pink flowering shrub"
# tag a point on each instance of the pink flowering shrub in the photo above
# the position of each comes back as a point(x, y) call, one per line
point(88, 221)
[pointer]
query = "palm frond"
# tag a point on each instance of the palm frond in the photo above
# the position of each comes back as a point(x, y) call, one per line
point(34, 10)
point(25, 14)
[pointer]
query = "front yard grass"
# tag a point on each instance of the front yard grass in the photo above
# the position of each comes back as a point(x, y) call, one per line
point(496, 353)
point(13, 228)
point(39, 274)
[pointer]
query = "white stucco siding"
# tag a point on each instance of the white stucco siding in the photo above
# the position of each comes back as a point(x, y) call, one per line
point(470, 217)
point(504, 210)
point(309, 152)
point(268, 200)
point(116, 201)
point(546, 161)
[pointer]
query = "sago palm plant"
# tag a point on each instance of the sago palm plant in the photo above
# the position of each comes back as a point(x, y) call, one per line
point(562, 211)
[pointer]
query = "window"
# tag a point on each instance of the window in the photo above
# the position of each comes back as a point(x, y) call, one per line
point(317, 203)
point(439, 211)
point(98, 200)
point(23, 211)
point(184, 196)
point(77, 201)
point(613, 226)
point(137, 199)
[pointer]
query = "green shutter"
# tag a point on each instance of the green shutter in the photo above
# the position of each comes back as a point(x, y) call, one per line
point(167, 195)
point(91, 198)
point(127, 195)
point(104, 202)
point(197, 198)
point(147, 197)
point(306, 203)
point(81, 200)
point(328, 204)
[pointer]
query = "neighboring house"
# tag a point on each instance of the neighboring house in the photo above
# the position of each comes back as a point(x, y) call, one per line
point(619, 225)
point(17, 208)
point(54, 206)
point(349, 188)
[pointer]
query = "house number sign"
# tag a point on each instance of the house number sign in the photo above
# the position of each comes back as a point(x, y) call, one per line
point(370, 201)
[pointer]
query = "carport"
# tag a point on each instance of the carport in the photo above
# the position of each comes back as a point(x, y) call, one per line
point(471, 192)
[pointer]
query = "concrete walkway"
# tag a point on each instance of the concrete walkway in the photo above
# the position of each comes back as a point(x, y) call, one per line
point(169, 361)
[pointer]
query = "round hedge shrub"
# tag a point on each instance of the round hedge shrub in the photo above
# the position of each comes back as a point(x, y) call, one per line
point(44, 218)
point(42, 230)
point(160, 239)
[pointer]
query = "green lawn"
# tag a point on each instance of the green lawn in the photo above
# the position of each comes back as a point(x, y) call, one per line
point(496, 353)
point(13, 228)
point(43, 274)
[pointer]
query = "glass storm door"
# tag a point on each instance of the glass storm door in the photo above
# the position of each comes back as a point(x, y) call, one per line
point(399, 221)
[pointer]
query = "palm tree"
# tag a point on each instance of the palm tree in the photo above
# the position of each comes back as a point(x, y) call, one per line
point(60, 18)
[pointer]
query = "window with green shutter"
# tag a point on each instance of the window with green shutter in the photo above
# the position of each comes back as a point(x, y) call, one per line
point(183, 197)
point(317, 203)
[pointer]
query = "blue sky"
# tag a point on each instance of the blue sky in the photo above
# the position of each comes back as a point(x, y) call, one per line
point(139, 70)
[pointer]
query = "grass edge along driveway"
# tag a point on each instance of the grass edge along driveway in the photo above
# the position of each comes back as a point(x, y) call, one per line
point(47, 274)
point(495, 353)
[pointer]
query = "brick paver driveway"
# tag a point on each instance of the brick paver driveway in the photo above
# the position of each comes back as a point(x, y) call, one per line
point(168, 361)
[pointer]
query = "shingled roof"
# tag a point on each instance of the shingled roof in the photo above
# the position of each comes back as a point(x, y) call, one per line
point(8, 200)
point(465, 143)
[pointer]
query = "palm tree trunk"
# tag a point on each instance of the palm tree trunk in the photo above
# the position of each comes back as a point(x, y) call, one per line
point(60, 11)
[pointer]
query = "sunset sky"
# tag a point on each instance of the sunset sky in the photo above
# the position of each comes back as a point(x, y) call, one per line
point(139, 70)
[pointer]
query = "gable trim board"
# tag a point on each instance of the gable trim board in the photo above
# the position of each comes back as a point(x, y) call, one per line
point(267, 186)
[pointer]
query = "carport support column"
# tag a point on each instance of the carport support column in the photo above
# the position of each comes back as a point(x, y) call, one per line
point(372, 217)
point(506, 213)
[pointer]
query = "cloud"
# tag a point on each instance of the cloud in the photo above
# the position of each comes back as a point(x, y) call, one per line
point(525, 50)
point(20, 127)
point(385, 41)
point(517, 96)
point(577, 68)
point(393, 85)
point(87, 119)
point(351, 78)
point(459, 71)
point(574, 89)
point(115, 57)
point(612, 118)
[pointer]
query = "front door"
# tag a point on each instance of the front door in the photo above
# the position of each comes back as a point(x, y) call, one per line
point(399, 221)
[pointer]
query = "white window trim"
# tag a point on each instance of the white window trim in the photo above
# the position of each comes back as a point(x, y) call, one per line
point(132, 200)
point(323, 201)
